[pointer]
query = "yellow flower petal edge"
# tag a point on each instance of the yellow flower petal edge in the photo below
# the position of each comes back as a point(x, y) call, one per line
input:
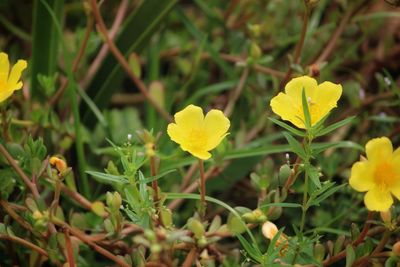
point(10, 80)
point(197, 134)
point(378, 175)
point(321, 100)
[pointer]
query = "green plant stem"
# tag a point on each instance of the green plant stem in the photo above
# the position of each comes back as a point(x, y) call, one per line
point(202, 207)
point(304, 205)
point(14, 29)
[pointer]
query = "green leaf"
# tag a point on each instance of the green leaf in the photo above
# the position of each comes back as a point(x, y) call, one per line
point(133, 37)
point(45, 42)
point(281, 204)
point(306, 111)
point(313, 173)
point(334, 126)
point(287, 127)
point(153, 178)
point(327, 189)
point(295, 146)
point(350, 255)
point(320, 147)
point(108, 178)
point(253, 252)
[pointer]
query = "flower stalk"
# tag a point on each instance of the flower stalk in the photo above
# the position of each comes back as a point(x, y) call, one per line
point(203, 205)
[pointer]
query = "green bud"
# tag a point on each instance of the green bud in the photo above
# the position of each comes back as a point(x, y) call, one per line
point(319, 252)
point(255, 51)
point(166, 216)
point(249, 217)
point(150, 235)
point(134, 63)
point(155, 248)
point(255, 30)
point(338, 244)
point(284, 173)
point(196, 227)
point(202, 242)
point(275, 213)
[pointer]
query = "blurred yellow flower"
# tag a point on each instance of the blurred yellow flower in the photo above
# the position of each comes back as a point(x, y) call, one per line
point(198, 134)
point(321, 99)
point(270, 230)
point(9, 80)
point(379, 174)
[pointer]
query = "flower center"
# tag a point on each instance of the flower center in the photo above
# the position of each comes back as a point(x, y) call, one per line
point(385, 175)
point(197, 139)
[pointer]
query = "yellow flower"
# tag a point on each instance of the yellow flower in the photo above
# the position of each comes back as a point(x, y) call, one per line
point(378, 175)
point(9, 81)
point(270, 230)
point(198, 134)
point(321, 99)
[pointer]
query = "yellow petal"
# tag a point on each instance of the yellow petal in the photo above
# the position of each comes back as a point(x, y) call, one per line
point(4, 67)
point(294, 88)
point(215, 127)
point(15, 75)
point(201, 154)
point(362, 178)
point(396, 153)
point(5, 94)
point(175, 133)
point(327, 96)
point(378, 200)
point(395, 188)
point(379, 149)
point(287, 109)
point(189, 118)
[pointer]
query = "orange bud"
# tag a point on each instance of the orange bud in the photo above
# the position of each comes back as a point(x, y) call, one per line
point(60, 164)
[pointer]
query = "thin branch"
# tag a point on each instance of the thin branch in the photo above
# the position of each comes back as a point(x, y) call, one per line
point(104, 49)
point(24, 243)
point(32, 187)
point(125, 65)
point(236, 93)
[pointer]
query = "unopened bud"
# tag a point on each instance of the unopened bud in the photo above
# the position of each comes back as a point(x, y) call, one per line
point(37, 215)
point(255, 51)
point(396, 248)
point(319, 252)
point(60, 164)
point(255, 30)
point(386, 216)
point(196, 227)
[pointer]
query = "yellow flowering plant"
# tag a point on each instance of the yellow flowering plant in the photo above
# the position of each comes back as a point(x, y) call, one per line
point(378, 174)
point(197, 134)
point(10, 79)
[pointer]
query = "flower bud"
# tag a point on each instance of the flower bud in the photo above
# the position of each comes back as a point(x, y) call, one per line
point(255, 51)
point(284, 172)
point(255, 30)
point(386, 216)
point(114, 201)
point(269, 230)
point(396, 248)
point(60, 164)
point(37, 215)
point(196, 227)
point(319, 252)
